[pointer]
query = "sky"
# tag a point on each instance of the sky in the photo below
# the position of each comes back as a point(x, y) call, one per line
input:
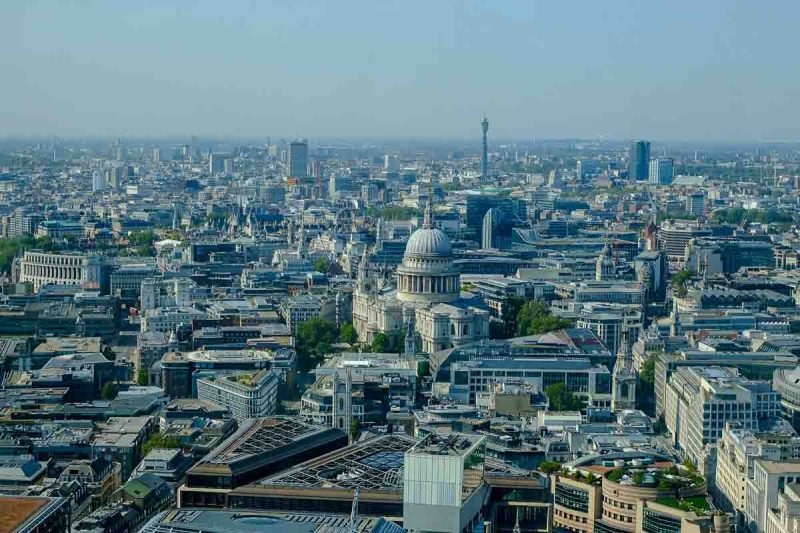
point(666, 70)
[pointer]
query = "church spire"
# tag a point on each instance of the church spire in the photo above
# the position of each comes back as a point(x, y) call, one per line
point(428, 222)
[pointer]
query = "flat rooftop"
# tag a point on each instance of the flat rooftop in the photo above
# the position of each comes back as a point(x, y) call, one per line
point(454, 444)
point(16, 511)
point(190, 521)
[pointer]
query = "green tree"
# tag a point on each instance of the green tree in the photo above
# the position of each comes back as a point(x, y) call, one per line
point(314, 339)
point(510, 314)
point(109, 353)
point(159, 440)
point(561, 399)
point(738, 215)
point(142, 377)
point(380, 343)
point(679, 280)
point(645, 397)
point(355, 428)
point(648, 373)
point(549, 467)
point(141, 238)
point(534, 318)
point(347, 333)
point(681, 215)
point(108, 391)
point(393, 213)
point(10, 248)
point(322, 265)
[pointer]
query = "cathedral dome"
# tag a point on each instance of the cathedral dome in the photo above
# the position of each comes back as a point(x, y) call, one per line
point(429, 241)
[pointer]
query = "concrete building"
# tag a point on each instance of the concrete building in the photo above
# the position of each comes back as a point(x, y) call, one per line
point(377, 384)
point(661, 171)
point(696, 204)
point(126, 281)
point(737, 452)
point(44, 268)
point(701, 400)
point(785, 517)
point(444, 487)
point(587, 381)
point(639, 160)
point(166, 292)
point(259, 448)
point(768, 482)
point(246, 395)
point(298, 159)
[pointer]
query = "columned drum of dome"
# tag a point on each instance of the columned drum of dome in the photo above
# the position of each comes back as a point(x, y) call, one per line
point(427, 274)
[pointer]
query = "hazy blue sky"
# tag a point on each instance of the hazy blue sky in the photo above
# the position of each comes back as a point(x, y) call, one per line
point(664, 70)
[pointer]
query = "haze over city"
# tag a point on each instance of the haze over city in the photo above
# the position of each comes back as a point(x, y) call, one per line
point(681, 70)
point(399, 267)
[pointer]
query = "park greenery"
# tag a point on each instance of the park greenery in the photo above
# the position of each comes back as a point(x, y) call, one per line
point(347, 333)
point(315, 339)
point(739, 215)
point(142, 242)
point(525, 317)
point(10, 248)
point(678, 215)
point(393, 213)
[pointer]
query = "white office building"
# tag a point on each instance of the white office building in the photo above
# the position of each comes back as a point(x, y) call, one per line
point(701, 400)
point(246, 395)
point(661, 171)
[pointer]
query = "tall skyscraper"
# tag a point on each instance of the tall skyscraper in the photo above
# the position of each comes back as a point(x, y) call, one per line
point(488, 237)
point(298, 159)
point(98, 181)
point(217, 163)
point(485, 151)
point(639, 160)
point(696, 204)
point(661, 171)
point(391, 163)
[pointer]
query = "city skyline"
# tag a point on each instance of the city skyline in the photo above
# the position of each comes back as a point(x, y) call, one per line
point(620, 71)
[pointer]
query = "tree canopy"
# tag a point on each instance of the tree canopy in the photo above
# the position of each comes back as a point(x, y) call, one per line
point(679, 280)
point(393, 212)
point(549, 467)
point(9, 248)
point(109, 391)
point(347, 333)
point(534, 318)
point(314, 339)
point(159, 440)
point(561, 399)
point(322, 265)
point(737, 215)
point(381, 343)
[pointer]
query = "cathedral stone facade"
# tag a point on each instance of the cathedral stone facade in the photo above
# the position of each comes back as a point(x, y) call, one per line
point(427, 299)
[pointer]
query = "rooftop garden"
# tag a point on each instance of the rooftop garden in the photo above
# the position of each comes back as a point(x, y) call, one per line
point(248, 380)
point(552, 467)
point(674, 477)
point(696, 504)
